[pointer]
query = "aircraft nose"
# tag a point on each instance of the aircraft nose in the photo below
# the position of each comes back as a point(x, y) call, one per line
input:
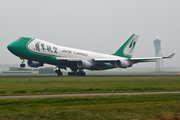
point(14, 47)
point(18, 46)
point(10, 47)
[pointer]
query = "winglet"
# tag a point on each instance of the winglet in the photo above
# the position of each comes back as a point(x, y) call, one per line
point(170, 56)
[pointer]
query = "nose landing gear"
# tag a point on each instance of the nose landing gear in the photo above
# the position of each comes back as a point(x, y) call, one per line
point(22, 65)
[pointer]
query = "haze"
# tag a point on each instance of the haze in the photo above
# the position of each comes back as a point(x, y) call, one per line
point(95, 25)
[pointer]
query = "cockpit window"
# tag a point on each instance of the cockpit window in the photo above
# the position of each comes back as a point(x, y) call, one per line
point(21, 39)
point(25, 38)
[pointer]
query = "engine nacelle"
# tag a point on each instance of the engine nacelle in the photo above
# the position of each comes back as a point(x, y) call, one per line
point(122, 64)
point(34, 63)
point(84, 64)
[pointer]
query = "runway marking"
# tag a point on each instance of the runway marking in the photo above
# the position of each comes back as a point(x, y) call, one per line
point(80, 95)
point(41, 76)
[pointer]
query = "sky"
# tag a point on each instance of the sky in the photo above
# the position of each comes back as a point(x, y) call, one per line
point(95, 25)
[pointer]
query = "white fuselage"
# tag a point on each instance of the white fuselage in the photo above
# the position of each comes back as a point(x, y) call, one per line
point(48, 49)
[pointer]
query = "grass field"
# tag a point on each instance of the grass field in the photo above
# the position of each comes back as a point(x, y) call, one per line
point(23, 86)
point(124, 107)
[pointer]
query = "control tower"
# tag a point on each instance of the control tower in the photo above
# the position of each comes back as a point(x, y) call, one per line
point(157, 45)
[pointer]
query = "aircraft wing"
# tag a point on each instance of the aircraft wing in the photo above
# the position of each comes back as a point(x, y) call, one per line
point(133, 60)
point(102, 63)
point(69, 59)
point(149, 59)
point(78, 59)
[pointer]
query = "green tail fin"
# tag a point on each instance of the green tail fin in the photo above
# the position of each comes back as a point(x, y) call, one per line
point(127, 49)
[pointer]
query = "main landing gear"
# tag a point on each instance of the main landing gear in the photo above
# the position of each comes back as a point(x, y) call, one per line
point(75, 73)
point(22, 65)
point(58, 71)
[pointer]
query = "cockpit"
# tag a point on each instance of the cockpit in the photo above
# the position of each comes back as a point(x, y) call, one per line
point(22, 38)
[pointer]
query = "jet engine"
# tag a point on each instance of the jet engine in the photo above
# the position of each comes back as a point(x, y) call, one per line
point(122, 64)
point(84, 64)
point(34, 63)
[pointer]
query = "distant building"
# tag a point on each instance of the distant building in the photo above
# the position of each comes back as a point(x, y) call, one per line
point(46, 70)
point(159, 63)
point(17, 70)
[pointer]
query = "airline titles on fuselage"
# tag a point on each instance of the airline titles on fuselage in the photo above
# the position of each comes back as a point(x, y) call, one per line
point(52, 49)
point(74, 52)
point(42, 47)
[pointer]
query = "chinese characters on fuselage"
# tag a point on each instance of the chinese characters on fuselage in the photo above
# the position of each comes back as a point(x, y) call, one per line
point(42, 47)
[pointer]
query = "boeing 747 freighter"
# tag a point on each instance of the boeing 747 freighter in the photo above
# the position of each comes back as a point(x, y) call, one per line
point(38, 52)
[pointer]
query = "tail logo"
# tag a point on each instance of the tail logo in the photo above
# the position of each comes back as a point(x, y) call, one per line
point(132, 45)
point(126, 50)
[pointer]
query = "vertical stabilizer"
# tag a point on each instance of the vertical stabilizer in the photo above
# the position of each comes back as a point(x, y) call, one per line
point(127, 49)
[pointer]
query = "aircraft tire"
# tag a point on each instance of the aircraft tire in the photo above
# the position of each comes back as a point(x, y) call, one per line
point(71, 74)
point(56, 71)
point(59, 73)
point(84, 74)
point(80, 74)
point(76, 74)
point(22, 65)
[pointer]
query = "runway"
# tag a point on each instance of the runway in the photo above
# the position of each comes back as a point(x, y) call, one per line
point(55, 76)
point(82, 95)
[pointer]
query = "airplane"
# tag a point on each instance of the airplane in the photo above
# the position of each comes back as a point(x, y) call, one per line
point(39, 52)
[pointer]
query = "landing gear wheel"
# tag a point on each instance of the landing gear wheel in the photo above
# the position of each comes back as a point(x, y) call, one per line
point(84, 74)
point(80, 73)
point(71, 74)
point(59, 73)
point(75, 73)
point(22, 65)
